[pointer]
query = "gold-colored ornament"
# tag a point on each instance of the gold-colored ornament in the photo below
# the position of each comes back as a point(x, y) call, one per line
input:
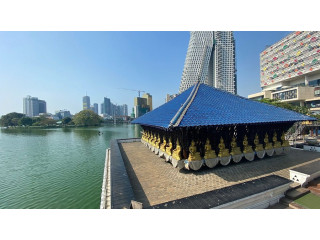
point(235, 150)
point(267, 145)
point(208, 152)
point(144, 135)
point(276, 143)
point(258, 145)
point(149, 137)
point(163, 145)
point(154, 139)
point(176, 153)
point(223, 152)
point(193, 154)
point(157, 142)
point(246, 147)
point(285, 143)
point(169, 147)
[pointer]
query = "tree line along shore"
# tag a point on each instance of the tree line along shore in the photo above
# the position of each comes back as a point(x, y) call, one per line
point(82, 119)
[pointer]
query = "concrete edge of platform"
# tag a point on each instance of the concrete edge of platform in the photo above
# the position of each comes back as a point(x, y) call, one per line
point(258, 201)
point(121, 189)
point(105, 202)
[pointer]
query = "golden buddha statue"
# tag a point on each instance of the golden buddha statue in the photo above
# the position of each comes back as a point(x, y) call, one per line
point(258, 145)
point(193, 154)
point(223, 152)
point(276, 143)
point(163, 145)
point(268, 145)
point(246, 147)
point(150, 138)
point(169, 147)
point(208, 152)
point(157, 142)
point(235, 150)
point(285, 143)
point(176, 153)
point(154, 139)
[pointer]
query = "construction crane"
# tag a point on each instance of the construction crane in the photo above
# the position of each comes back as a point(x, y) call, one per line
point(133, 90)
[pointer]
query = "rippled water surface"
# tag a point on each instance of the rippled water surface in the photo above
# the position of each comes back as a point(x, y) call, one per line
point(55, 168)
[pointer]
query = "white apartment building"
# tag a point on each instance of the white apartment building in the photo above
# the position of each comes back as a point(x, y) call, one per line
point(290, 70)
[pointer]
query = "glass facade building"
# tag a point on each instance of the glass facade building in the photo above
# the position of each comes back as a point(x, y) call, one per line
point(211, 60)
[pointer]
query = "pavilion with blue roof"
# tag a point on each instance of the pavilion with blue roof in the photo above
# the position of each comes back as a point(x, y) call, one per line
point(206, 126)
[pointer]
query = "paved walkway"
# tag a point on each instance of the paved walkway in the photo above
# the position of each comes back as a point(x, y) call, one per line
point(155, 181)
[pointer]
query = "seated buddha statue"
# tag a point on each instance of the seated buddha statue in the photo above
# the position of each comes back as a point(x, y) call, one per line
point(169, 147)
point(193, 154)
point(208, 152)
point(235, 150)
point(157, 142)
point(246, 147)
point(258, 145)
point(268, 145)
point(285, 143)
point(223, 151)
point(276, 143)
point(163, 145)
point(176, 153)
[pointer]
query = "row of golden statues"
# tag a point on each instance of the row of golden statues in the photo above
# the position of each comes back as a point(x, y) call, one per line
point(155, 140)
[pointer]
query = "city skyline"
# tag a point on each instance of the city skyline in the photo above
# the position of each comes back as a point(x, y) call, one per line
point(61, 66)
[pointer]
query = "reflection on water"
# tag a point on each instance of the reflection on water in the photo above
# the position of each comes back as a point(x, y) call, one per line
point(28, 131)
point(87, 133)
point(55, 168)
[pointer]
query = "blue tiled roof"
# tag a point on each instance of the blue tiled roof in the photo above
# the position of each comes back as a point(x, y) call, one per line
point(211, 106)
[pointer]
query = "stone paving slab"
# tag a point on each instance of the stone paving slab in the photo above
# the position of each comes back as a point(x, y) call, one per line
point(155, 181)
point(218, 197)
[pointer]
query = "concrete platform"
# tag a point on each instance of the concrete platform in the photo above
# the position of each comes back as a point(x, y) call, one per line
point(306, 173)
point(154, 181)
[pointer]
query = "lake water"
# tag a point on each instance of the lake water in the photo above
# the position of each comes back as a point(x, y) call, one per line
point(55, 168)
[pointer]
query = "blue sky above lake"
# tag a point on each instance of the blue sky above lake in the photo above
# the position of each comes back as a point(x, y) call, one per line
point(61, 67)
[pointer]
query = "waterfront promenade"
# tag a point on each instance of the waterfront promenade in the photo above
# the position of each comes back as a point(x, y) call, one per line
point(155, 181)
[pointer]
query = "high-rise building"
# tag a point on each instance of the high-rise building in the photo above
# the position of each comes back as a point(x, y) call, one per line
point(141, 106)
point(211, 60)
point(61, 114)
point(106, 106)
point(290, 70)
point(86, 103)
point(125, 110)
point(102, 109)
point(149, 100)
point(42, 106)
point(32, 106)
point(95, 108)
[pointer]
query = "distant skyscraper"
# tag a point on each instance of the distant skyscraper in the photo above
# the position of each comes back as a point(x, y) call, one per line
point(149, 100)
point(125, 109)
point(107, 106)
point(86, 103)
point(211, 60)
point(61, 114)
point(102, 109)
point(140, 106)
point(95, 108)
point(32, 106)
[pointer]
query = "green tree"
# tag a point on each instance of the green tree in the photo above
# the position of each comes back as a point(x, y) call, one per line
point(10, 119)
point(66, 120)
point(25, 121)
point(87, 118)
point(277, 103)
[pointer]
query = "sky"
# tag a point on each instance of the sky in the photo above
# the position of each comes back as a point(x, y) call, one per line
point(62, 67)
